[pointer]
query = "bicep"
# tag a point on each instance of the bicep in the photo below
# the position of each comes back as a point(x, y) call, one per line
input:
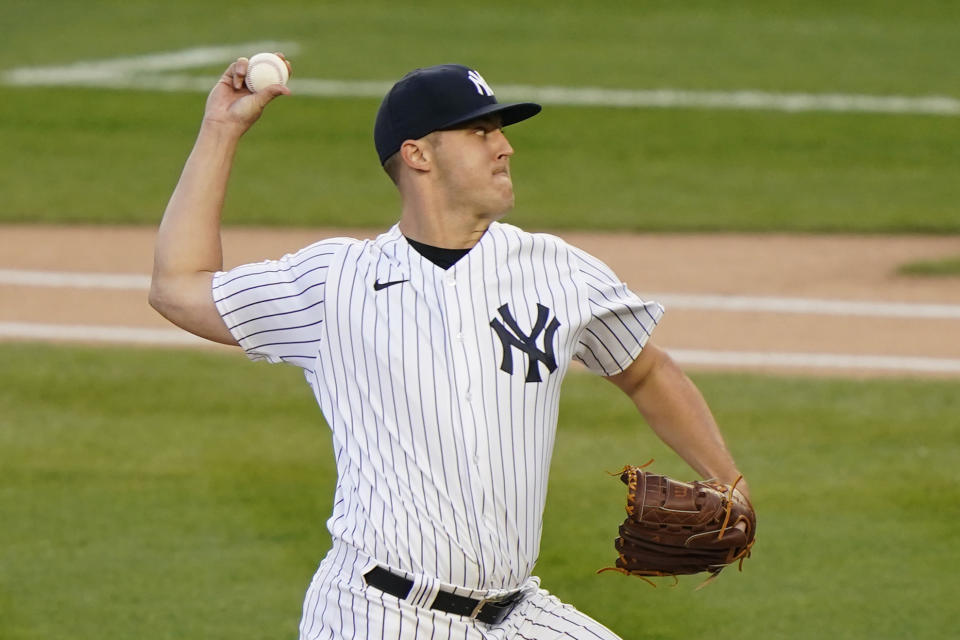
point(634, 375)
point(187, 301)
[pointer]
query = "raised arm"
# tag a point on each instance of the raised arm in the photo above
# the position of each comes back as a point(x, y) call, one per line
point(678, 414)
point(188, 250)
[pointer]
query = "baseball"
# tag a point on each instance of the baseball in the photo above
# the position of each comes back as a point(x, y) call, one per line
point(265, 69)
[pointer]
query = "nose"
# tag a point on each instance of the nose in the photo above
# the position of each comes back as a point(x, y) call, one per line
point(504, 149)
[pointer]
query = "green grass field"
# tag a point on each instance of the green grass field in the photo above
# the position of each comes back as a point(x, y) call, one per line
point(171, 494)
point(949, 266)
point(93, 155)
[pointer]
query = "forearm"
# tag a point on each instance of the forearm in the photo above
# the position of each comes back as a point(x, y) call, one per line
point(677, 412)
point(188, 240)
point(188, 249)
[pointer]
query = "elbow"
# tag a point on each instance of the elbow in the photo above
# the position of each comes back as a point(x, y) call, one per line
point(153, 296)
point(187, 302)
point(159, 297)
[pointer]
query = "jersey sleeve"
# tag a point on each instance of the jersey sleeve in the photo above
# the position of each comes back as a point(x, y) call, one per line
point(275, 308)
point(620, 322)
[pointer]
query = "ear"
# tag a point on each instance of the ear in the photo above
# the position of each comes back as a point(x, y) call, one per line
point(417, 154)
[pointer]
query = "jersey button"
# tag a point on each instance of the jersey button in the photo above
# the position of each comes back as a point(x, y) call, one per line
point(451, 282)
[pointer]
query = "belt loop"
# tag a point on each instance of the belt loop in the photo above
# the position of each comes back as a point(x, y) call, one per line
point(478, 608)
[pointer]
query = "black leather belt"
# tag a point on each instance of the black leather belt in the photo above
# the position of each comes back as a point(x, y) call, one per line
point(491, 611)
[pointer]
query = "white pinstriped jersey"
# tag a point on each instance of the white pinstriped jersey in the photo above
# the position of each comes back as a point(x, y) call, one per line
point(441, 387)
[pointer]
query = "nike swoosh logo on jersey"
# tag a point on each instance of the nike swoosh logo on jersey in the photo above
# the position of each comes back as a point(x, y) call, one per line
point(379, 286)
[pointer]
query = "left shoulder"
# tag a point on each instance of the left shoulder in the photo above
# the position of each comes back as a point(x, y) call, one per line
point(546, 248)
point(513, 235)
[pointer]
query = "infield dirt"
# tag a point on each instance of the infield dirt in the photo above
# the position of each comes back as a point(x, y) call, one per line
point(818, 267)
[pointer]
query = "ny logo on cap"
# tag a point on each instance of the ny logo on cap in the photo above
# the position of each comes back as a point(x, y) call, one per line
point(482, 87)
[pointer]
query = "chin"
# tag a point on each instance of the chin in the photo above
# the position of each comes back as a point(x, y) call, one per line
point(507, 199)
point(503, 211)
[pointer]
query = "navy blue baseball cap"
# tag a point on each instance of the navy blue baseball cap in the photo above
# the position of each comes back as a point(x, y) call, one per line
point(437, 98)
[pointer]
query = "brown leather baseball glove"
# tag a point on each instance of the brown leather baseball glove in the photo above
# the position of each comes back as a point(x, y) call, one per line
point(675, 528)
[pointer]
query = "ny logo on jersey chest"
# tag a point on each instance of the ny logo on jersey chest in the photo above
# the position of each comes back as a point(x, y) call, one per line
point(512, 336)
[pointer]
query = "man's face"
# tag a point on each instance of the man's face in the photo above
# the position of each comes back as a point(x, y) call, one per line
point(472, 165)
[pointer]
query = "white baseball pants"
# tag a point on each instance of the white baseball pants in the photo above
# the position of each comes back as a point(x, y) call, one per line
point(339, 605)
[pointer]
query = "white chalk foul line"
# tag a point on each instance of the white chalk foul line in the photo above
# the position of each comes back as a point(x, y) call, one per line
point(757, 359)
point(747, 304)
point(125, 69)
point(151, 72)
point(98, 333)
point(74, 279)
point(815, 306)
point(689, 357)
point(741, 100)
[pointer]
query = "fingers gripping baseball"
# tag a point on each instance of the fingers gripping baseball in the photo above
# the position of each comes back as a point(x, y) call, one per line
point(231, 103)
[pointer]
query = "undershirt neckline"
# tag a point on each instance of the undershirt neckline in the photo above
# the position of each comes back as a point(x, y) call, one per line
point(443, 258)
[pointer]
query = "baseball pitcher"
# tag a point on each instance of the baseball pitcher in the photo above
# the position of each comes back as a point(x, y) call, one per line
point(436, 352)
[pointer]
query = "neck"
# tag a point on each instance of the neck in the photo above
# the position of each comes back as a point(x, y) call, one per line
point(445, 215)
point(444, 228)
